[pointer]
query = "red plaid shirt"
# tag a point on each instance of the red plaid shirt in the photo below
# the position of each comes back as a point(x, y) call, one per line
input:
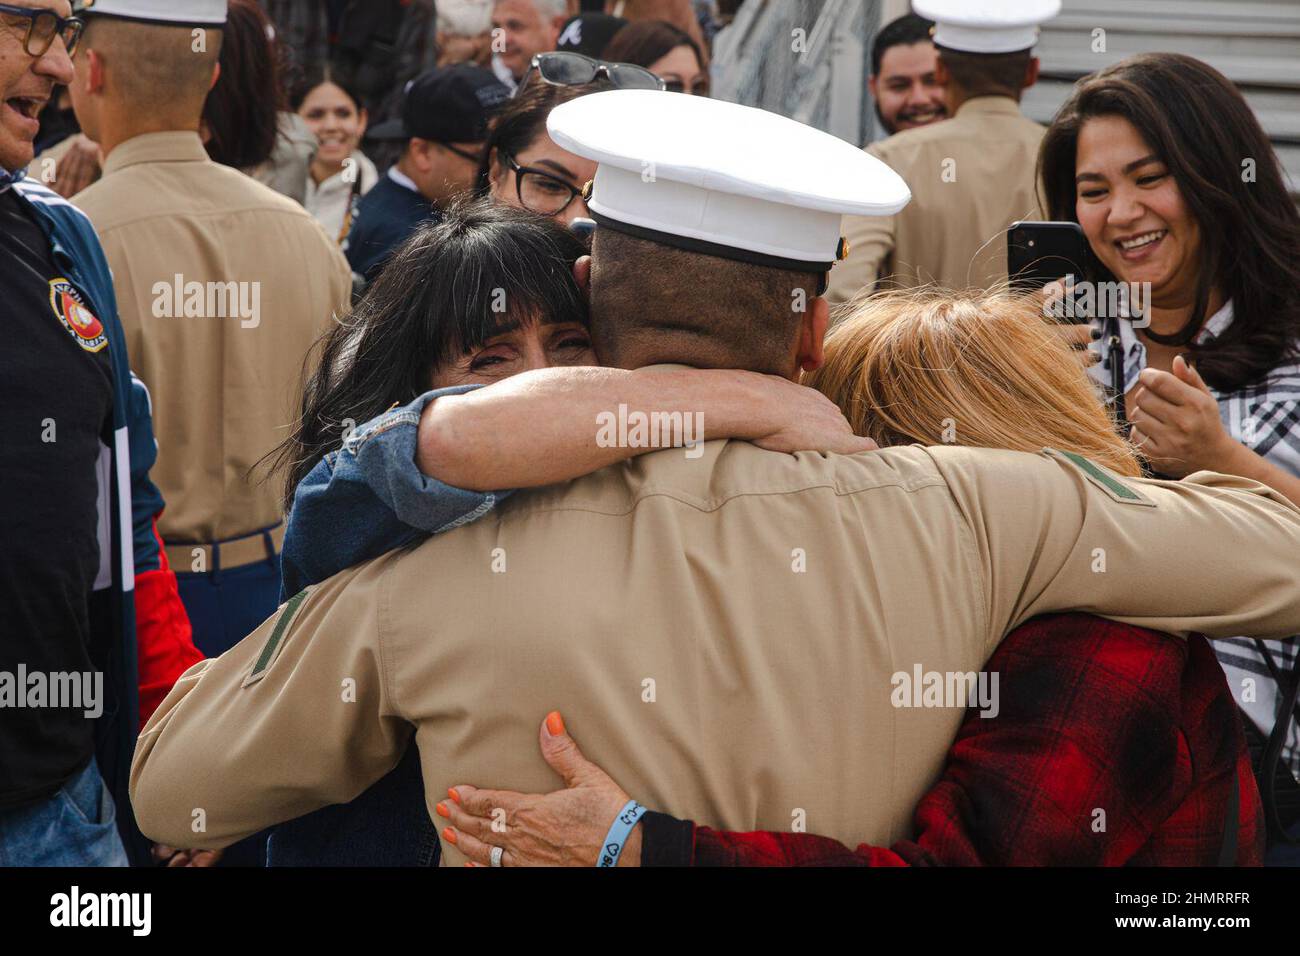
point(1095, 715)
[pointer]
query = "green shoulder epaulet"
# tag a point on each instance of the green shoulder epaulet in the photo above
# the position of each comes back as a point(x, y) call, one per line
point(277, 636)
point(1103, 479)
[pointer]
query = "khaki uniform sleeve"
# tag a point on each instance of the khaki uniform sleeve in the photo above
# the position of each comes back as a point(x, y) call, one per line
point(1213, 553)
point(293, 718)
point(871, 246)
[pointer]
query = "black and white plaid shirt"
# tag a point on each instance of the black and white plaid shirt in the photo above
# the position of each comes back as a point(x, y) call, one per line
point(1266, 419)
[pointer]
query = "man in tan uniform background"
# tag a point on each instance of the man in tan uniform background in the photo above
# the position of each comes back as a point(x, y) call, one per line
point(721, 629)
point(971, 176)
point(222, 285)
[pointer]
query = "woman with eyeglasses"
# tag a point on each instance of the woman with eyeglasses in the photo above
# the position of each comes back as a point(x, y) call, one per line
point(523, 167)
point(664, 50)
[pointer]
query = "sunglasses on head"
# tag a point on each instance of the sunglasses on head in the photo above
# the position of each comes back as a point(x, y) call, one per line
point(573, 69)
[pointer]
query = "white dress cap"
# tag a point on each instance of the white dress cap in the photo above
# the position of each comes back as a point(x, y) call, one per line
point(722, 179)
point(179, 12)
point(987, 26)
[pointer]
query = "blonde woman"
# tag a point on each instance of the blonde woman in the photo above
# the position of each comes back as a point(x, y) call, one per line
point(981, 370)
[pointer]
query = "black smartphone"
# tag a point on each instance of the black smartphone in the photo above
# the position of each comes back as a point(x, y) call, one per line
point(1043, 252)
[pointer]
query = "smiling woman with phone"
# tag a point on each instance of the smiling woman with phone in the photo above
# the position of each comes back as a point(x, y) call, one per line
point(1165, 167)
point(1162, 163)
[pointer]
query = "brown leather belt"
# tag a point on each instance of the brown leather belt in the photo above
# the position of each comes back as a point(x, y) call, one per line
point(212, 556)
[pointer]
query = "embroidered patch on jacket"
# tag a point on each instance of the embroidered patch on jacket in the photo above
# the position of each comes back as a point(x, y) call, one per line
point(86, 330)
point(276, 640)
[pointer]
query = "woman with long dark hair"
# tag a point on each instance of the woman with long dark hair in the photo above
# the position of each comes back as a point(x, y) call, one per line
point(242, 111)
point(486, 294)
point(1163, 164)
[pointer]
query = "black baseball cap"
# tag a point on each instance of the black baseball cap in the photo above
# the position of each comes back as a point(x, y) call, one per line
point(448, 104)
point(589, 33)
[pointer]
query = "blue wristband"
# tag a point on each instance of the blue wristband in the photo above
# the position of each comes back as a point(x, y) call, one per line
point(618, 833)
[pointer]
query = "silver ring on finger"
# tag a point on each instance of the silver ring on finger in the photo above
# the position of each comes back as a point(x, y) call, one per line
point(495, 857)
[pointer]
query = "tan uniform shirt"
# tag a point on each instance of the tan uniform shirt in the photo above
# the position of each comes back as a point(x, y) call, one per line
point(971, 177)
point(223, 286)
point(721, 634)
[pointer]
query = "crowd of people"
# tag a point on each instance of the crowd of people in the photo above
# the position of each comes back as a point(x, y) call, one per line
point(397, 387)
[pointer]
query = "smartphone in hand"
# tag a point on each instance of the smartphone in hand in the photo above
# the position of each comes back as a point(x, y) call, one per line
point(1039, 253)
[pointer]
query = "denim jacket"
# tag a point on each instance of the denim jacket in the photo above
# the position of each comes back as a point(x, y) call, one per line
point(369, 497)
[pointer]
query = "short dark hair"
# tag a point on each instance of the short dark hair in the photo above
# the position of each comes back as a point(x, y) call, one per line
point(645, 42)
point(987, 74)
point(906, 30)
point(522, 119)
point(436, 299)
point(242, 110)
point(655, 303)
point(1200, 126)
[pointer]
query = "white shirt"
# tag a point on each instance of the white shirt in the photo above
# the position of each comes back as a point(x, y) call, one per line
point(330, 201)
point(403, 180)
point(502, 73)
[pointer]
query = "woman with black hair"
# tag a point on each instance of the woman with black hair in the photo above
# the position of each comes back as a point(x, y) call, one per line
point(488, 293)
point(1163, 164)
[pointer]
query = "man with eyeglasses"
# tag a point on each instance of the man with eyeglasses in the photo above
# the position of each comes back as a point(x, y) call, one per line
point(81, 577)
point(444, 120)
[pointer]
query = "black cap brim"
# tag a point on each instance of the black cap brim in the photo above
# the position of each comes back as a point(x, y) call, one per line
point(389, 129)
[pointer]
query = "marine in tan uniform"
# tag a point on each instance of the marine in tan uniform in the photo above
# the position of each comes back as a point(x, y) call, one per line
point(721, 624)
point(222, 284)
point(971, 176)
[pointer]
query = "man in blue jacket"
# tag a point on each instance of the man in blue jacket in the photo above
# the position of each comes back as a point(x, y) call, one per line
point(79, 555)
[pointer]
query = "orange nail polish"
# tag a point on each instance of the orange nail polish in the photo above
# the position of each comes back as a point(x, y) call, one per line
point(442, 810)
point(453, 794)
point(449, 835)
point(554, 723)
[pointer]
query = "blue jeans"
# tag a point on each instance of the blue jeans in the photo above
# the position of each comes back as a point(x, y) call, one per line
point(388, 825)
point(226, 606)
point(75, 827)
